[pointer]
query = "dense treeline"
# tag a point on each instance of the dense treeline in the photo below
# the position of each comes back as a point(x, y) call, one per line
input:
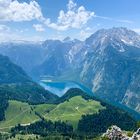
point(44, 128)
point(96, 124)
point(89, 125)
point(3, 105)
point(28, 92)
point(49, 130)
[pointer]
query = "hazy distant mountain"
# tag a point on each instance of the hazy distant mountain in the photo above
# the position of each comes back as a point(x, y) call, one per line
point(11, 73)
point(25, 54)
point(58, 57)
point(44, 58)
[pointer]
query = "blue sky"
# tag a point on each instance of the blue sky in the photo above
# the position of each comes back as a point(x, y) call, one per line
point(36, 20)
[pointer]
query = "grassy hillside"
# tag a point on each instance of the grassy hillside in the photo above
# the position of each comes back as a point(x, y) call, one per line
point(70, 110)
point(23, 113)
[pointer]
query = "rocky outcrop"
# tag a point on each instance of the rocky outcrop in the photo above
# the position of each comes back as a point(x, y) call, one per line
point(115, 133)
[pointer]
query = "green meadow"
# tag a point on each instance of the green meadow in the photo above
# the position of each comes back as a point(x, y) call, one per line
point(70, 111)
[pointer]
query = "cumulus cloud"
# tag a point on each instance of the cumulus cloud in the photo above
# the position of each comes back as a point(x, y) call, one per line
point(39, 27)
point(5, 33)
point(12, 10)
point(74, 17)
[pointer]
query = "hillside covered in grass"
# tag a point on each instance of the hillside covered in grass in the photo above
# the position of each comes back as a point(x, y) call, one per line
point(70, 111)
point(81, 114)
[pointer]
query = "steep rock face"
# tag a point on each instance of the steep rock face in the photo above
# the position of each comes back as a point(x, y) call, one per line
point(55, 60)
point(111, 66)
point(58, 58)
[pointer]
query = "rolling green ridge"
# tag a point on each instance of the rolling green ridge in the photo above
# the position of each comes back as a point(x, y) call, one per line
point(83, 92)
point(75, 92)
point(22, 113)
point(71, 111)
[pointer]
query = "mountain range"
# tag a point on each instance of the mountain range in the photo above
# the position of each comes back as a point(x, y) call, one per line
point(104, 62)
point(107, 62)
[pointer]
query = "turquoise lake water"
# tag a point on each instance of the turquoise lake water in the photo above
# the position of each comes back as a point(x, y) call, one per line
point(60, 88)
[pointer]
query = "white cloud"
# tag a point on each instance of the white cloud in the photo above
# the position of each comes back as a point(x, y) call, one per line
point(4, 28)
point(8, 34)
point(12, 10)
point(39, 27)
point(74, 17)
point(71, 5)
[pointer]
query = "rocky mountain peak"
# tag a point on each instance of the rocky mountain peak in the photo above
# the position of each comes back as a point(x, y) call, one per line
point(117, 35)
point(67, 39)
